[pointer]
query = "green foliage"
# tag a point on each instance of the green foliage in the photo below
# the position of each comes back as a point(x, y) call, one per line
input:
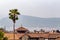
point(13, 15)
point(1, 29)
point(18, 13)
point(1, 39)
point(1, 34)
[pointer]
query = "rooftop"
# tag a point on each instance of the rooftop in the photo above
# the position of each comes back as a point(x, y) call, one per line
point(21, 28)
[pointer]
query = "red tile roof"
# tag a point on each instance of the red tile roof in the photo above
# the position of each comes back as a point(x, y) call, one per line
point(32, 35)
point(21, 28)
point(38, 35)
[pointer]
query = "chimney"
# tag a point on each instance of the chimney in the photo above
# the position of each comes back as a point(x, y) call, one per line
point(36, 31)
point(42, 31)
point(53, 31)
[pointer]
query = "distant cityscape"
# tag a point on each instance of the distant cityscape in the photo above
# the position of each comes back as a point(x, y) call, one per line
point(22, 33)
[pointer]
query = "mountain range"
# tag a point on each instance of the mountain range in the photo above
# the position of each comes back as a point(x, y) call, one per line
point(32, 23)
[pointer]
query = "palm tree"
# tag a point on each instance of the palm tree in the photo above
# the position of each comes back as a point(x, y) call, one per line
point(13, 15)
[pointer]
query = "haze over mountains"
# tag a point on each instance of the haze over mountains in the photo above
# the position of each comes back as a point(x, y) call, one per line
point(32, 23)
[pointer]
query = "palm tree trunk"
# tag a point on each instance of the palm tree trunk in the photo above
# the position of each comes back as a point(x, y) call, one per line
point(14, 31)
point(14, 26)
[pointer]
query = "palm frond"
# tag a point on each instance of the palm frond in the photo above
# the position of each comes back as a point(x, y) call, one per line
point(18, 13)
point(14, 12)
point(9, 13)
point(16, 18)
point(11, 17)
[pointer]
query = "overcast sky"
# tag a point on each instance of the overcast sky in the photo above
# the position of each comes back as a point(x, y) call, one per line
point(37, 8)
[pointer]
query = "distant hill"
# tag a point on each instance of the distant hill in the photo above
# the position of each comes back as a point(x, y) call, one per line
point(31, 23)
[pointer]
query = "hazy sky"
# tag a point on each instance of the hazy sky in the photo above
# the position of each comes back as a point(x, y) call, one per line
point(39, 8)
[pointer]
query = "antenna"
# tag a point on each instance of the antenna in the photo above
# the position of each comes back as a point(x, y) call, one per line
point(21, 25)
point(4, 27)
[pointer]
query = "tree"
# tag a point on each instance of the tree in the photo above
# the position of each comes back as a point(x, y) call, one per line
point(13, 15)
point(2, 29)
point(57, 31)
point(2, 36)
